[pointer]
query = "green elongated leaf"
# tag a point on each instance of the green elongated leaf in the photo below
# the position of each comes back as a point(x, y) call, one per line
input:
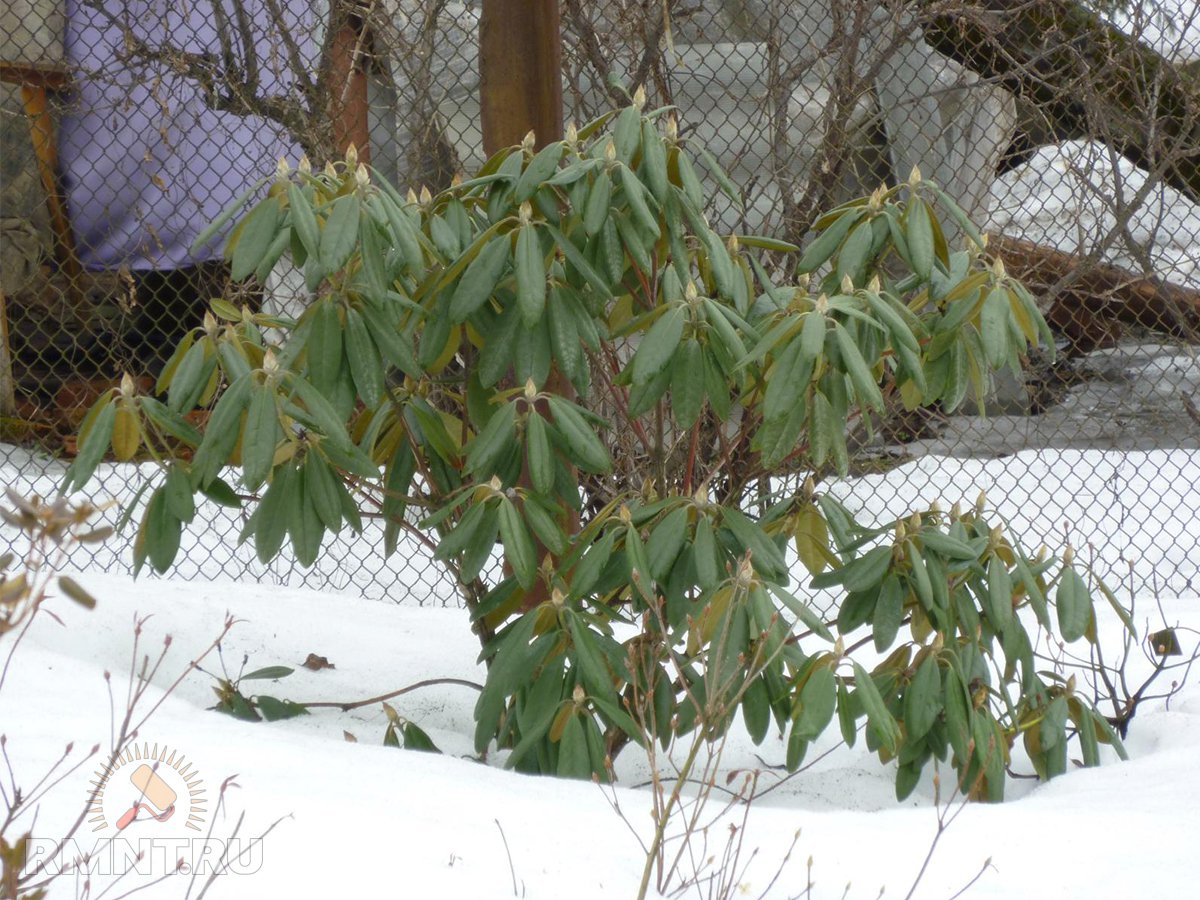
point(687, 383)
point(705, 554)
point(366, 368)
point(727, 187)
point(590, 658)
point(579, 263)
point(635, 196)
point(531, 275)
point(464, 534)
point(805, 613)
point(865, 385)
point(304, 222)
point(1074, 605)
point(95, 435)
point(595, 208)
point(859, 574)
point(563, 323)
point(274, 251)
point(539, 454)
point(574, 760)
point(221, 435)
point(999, 594)
point(260, 437)
point(541, 522)
point(540, 168)
point(818, 699)
point(340, 234)
point(588, 570)
point(919, 234)
point(846, 714)
point(226, 214)
point(252, 238)
point(756, 709)
point(189, 379)
point(178, 492)
point(767, 558)
point(826, 244)
point(490, 445)
point(881, 721)
point(275, 710)
point(304, 523)
point(654, 162)
point(270, 519)
point(323, 489)
point(518, 546)
point(919, 575)
point(658, 345)
point(479, 280)
point(889, 614)
point(993, 327)
point(394, 347)
point(163, 532)
point(324, 346)
point(584, 446)
point(854, 255)
point(665, 541)
point(923, 699)
point(787, 380)
point(268, 673)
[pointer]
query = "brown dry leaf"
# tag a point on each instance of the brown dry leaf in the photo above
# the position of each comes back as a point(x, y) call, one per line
point(315, 663)
point(351, 739)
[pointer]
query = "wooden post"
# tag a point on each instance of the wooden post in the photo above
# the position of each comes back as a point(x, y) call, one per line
point(8, 386)
point(520, 72)
point(348, 106)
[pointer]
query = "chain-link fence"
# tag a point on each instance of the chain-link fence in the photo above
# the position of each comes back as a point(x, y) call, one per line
point(1070, 129)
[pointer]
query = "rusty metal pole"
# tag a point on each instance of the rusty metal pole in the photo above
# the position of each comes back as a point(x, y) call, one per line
point(520, 72)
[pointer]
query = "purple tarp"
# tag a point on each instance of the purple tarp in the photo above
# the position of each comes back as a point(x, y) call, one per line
point(146, 163)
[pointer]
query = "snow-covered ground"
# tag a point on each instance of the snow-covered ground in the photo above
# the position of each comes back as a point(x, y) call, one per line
point(369, 821)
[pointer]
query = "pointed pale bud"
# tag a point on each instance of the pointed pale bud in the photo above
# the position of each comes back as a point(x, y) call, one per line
point(456, 180)
point(810, 487)
point(530, 389)
point(528, 142)
point(411, 197)
point(935, 508)
point(956, 511)
point(1069, 555)
point(981, 501)
point(210, 323)
point(690, 294)
point(557, 598)
point(914, 177)
point(572, 135)
point(745, 573)
point(331, 171)
point(496, 484)
point(733, 244)
point(351, 157)
point(847, 285)
point(623, 514)
point(128, 388)
point(362, 176)
point(525, 212)
point(802, 282)
point(579, 695)
point(914, 521)
point(998, 267)
point(270, 362)
point(305, 166)
point(873, 285)
point(282, 170)
point(1043, 554)
point(426, 197)
point(639, 97)
point(672, 128)
point(822, 304)
point(610, 150)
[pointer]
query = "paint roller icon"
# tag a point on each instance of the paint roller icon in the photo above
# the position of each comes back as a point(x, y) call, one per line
point(153, 789)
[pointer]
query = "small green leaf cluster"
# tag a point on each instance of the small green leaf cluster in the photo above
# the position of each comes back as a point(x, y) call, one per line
point(560, 360)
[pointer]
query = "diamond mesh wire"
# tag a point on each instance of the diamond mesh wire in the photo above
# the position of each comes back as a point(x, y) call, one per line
point(1068, 129)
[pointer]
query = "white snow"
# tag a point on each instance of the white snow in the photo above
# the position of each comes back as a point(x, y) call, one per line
point(369, 821)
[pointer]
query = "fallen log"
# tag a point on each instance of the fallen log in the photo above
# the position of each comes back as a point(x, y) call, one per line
point(1084, 78)
point(1091, 303)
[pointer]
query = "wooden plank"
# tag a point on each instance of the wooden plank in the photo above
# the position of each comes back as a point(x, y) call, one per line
point(520, 72)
